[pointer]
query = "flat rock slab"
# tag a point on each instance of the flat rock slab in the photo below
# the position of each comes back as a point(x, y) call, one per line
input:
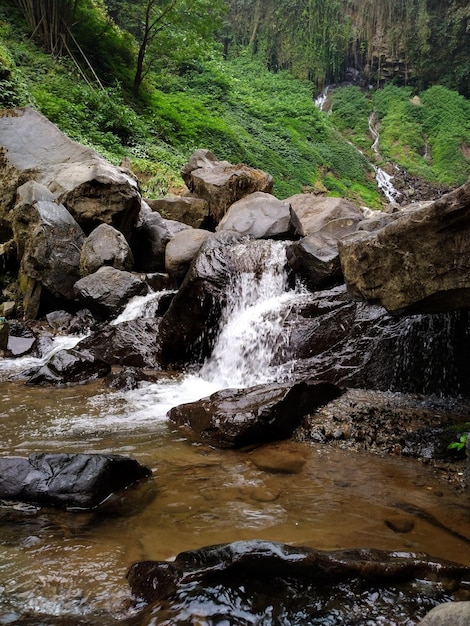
point(81, 481)
point(235, 418)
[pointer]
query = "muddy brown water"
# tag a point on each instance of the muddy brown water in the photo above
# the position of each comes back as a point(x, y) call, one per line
point(74, 563)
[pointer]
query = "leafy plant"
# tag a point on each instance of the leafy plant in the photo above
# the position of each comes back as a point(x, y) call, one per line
point(460, 444)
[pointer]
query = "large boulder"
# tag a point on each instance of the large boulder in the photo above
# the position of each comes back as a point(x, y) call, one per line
point(321, 222)
point(107, 291)
point(93, 190)
point(105, 246)
point(260, 215)
point(220, 183)
point(67, 367)
point(234, 418)
point(134, 343)
point(418, 263)
point(80, 481)
point(262, 582)
point(188, 328)
point(181, 250)
point(185, 209)
point(48, 241)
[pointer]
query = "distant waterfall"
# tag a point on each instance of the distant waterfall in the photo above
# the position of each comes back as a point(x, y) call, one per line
point(384, 180)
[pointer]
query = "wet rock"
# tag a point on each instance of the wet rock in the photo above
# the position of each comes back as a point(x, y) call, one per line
point(134, 343)
point(220, 183)
point(105, 246)
point(49, 242)
point(4, 334)
point(278, 459)
point(186, 209)
point(19, 346)
point(69, 367)
point(417, 263)
point(67, 480)
point(360, 345)
point(107, 291)
point(400, 524)
point(242, 417)
point(448, 614)
point(127, 378)
point(188, 328)
point(181, 250)
point(246, 581)
point(91, 189)
point(260, 215)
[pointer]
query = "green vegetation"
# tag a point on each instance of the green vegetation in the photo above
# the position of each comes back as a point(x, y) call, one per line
point(190, 96)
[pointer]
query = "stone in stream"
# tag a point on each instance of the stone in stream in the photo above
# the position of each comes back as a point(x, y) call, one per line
point(81, 481)
point(67, 367)
point(234, 418)
point(253, 581)
point(448, 614)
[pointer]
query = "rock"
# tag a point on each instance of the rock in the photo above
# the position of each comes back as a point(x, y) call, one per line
point(266, 582)
point(279, 459)
point(106, 291)
point(91, 189)
point(400, 524)
point(127, 378)
point(260, 215)
point(313, 214)
point(19, 346)
point(355, 344)
point(4, 334)
point(48, 241)
point(181, 250)
point(221, 183)
point(322, 222)
point(242, 417)
point(186, 209)
point(134, 343)
point(105, 246)
point(8, 308)
point(448, 614)
point(150, 239)
point(188, 328)
point(416, 264)
point(80, 481)
point(69, 367)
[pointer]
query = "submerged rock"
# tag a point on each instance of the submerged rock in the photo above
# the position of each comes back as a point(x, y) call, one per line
point(242, 417)
point(257, 582)
point(67, 480)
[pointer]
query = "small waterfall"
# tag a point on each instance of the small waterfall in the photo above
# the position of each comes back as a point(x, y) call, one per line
point(320, 100)
point(251, 329)
point(141, 306)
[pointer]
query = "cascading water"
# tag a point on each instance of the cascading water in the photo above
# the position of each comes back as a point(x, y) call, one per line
point(251, 329)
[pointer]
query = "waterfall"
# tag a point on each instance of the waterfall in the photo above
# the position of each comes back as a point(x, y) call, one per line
point(320, 100)
point(251, 330)
point(384, 180)
point(141, 306)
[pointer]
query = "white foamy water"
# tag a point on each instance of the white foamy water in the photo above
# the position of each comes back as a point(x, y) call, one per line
point(140, 306)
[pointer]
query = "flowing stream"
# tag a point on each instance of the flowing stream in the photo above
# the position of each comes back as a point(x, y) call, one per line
point(74, 563)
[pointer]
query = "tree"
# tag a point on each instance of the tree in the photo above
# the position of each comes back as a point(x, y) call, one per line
point(167, 30)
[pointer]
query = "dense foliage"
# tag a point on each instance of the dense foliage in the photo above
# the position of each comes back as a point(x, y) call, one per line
point(191, 96)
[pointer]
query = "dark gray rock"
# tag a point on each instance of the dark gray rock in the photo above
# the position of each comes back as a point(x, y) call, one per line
point(107, 291)
point(185, 209)
point(67, 480)
point(242, 417)
point(49, 241)
point(69, 367)
point(105, 246)
point(134, 343)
